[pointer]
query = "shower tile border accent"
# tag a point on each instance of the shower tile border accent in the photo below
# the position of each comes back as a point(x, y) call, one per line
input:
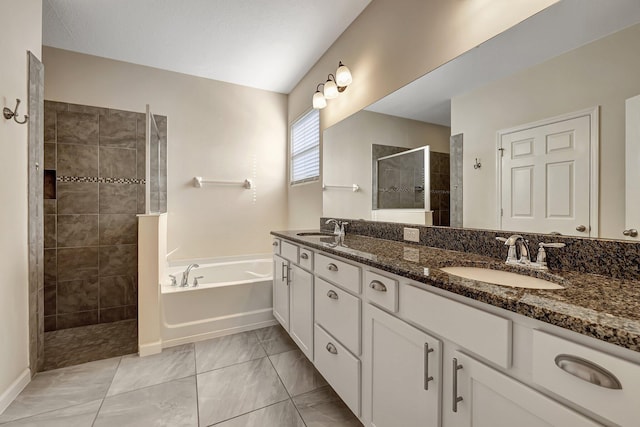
point(100, 180)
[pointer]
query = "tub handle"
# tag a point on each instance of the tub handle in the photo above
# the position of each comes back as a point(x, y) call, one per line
point(332, 267)
point(195, 281)
point(332, 294)
point(304, 256)
point(174, 282)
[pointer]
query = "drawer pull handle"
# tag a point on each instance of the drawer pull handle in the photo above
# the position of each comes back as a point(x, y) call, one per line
point(304, 256)
point(332, 267)
point(456, 398)
point(332, 294)
point(377, 285)
point(587, 371)
point(285, 277)
point(274, 244)
point(427, 378)
point(332, 348)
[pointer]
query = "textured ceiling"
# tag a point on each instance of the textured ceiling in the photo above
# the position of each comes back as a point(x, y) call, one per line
point(266, 44)
point(556, 30)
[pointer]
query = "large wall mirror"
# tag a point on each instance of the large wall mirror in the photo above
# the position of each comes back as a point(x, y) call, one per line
point(532, 123)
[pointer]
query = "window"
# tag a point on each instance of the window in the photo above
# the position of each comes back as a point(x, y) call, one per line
point(305, 148)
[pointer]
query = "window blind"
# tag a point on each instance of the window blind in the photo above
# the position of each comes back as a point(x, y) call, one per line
point(305, 148)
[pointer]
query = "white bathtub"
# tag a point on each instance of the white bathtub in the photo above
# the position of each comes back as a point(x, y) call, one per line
point(233, 296)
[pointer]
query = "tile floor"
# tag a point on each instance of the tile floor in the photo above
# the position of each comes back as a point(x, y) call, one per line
point(251, 379)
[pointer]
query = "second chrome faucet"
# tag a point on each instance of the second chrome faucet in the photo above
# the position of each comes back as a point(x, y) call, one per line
point(519, 253)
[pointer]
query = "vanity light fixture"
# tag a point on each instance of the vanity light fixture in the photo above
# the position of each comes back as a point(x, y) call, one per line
point(330, 87)
point(319, 101)
point(335, 84)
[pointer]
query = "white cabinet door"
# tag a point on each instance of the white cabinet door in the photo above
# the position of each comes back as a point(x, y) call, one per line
point(491, 399)
point(281, 290)
point(405, 373)
point(301, 309)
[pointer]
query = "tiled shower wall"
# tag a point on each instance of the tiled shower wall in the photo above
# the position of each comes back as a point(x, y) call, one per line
point(94, 187)
point(440, 184)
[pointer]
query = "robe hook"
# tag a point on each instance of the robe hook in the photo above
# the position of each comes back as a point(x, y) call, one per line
point(8, 114)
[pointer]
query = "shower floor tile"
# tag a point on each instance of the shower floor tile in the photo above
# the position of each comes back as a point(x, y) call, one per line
point(67, 347)
point(164, 389)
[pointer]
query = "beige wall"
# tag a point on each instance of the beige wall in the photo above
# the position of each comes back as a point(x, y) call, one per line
point(21, 23)
point(216, 130)
point(389, 45)
point(603, 73)
point(347, 156)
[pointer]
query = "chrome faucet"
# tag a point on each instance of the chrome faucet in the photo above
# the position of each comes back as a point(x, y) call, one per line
point(518, 249)
point(519, 252)
point(185, 276)
point(338, 226)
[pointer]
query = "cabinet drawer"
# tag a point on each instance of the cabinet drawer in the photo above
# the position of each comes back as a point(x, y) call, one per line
point(338, 272)
point(289, 251)
point(618, 405)
point(276, 246)
point(339, 313)
point(339, 367)
point(306, 259)
point(483, 333)
point(381, 290)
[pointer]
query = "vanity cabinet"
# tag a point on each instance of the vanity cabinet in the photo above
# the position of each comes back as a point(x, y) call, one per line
point(404, 372)
point(301, 309)
point(400, 353)
point(281, 290)
point(483, 397)
point(293, 296)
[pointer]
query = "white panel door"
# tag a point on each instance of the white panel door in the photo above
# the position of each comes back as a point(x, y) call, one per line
point(546, 176)
point(632, 160)
point(301, 309)
point(281, 290)
point(405, 373)
point(491, 399)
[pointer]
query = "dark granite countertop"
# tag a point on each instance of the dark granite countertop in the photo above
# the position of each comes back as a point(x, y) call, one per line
point(597, 306)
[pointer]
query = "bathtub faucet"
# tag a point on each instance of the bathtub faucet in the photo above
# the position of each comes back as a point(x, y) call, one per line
point(185, 275)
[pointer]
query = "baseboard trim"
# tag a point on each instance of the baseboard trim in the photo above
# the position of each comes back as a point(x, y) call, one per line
point(14, 389)
point(215, 334)
point(150, 349)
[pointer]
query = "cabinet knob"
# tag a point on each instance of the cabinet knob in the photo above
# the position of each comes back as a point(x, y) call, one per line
point(332, 267)
point(274, 244)
point(377, 285)
point(332, 294)
point(304, 256)
point(587, 371)
point(632, 232)
point(332, 348)
point(581, 228)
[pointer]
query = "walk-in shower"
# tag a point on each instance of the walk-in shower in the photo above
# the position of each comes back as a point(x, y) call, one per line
point(102, 168)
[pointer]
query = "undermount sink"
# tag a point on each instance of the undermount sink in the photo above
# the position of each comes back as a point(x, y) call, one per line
point(315, 234)
point(503, 278)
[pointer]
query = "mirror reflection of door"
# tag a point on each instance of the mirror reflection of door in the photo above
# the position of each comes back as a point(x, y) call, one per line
point(547, 176)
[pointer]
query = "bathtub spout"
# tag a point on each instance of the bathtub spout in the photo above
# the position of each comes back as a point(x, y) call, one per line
point(185, 275)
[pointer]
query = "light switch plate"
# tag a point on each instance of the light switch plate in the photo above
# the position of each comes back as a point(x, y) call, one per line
point(411, 234)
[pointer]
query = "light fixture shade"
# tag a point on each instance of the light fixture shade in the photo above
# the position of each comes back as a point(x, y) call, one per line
point(330, 89)
point(319, 102)
point(343, 75)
